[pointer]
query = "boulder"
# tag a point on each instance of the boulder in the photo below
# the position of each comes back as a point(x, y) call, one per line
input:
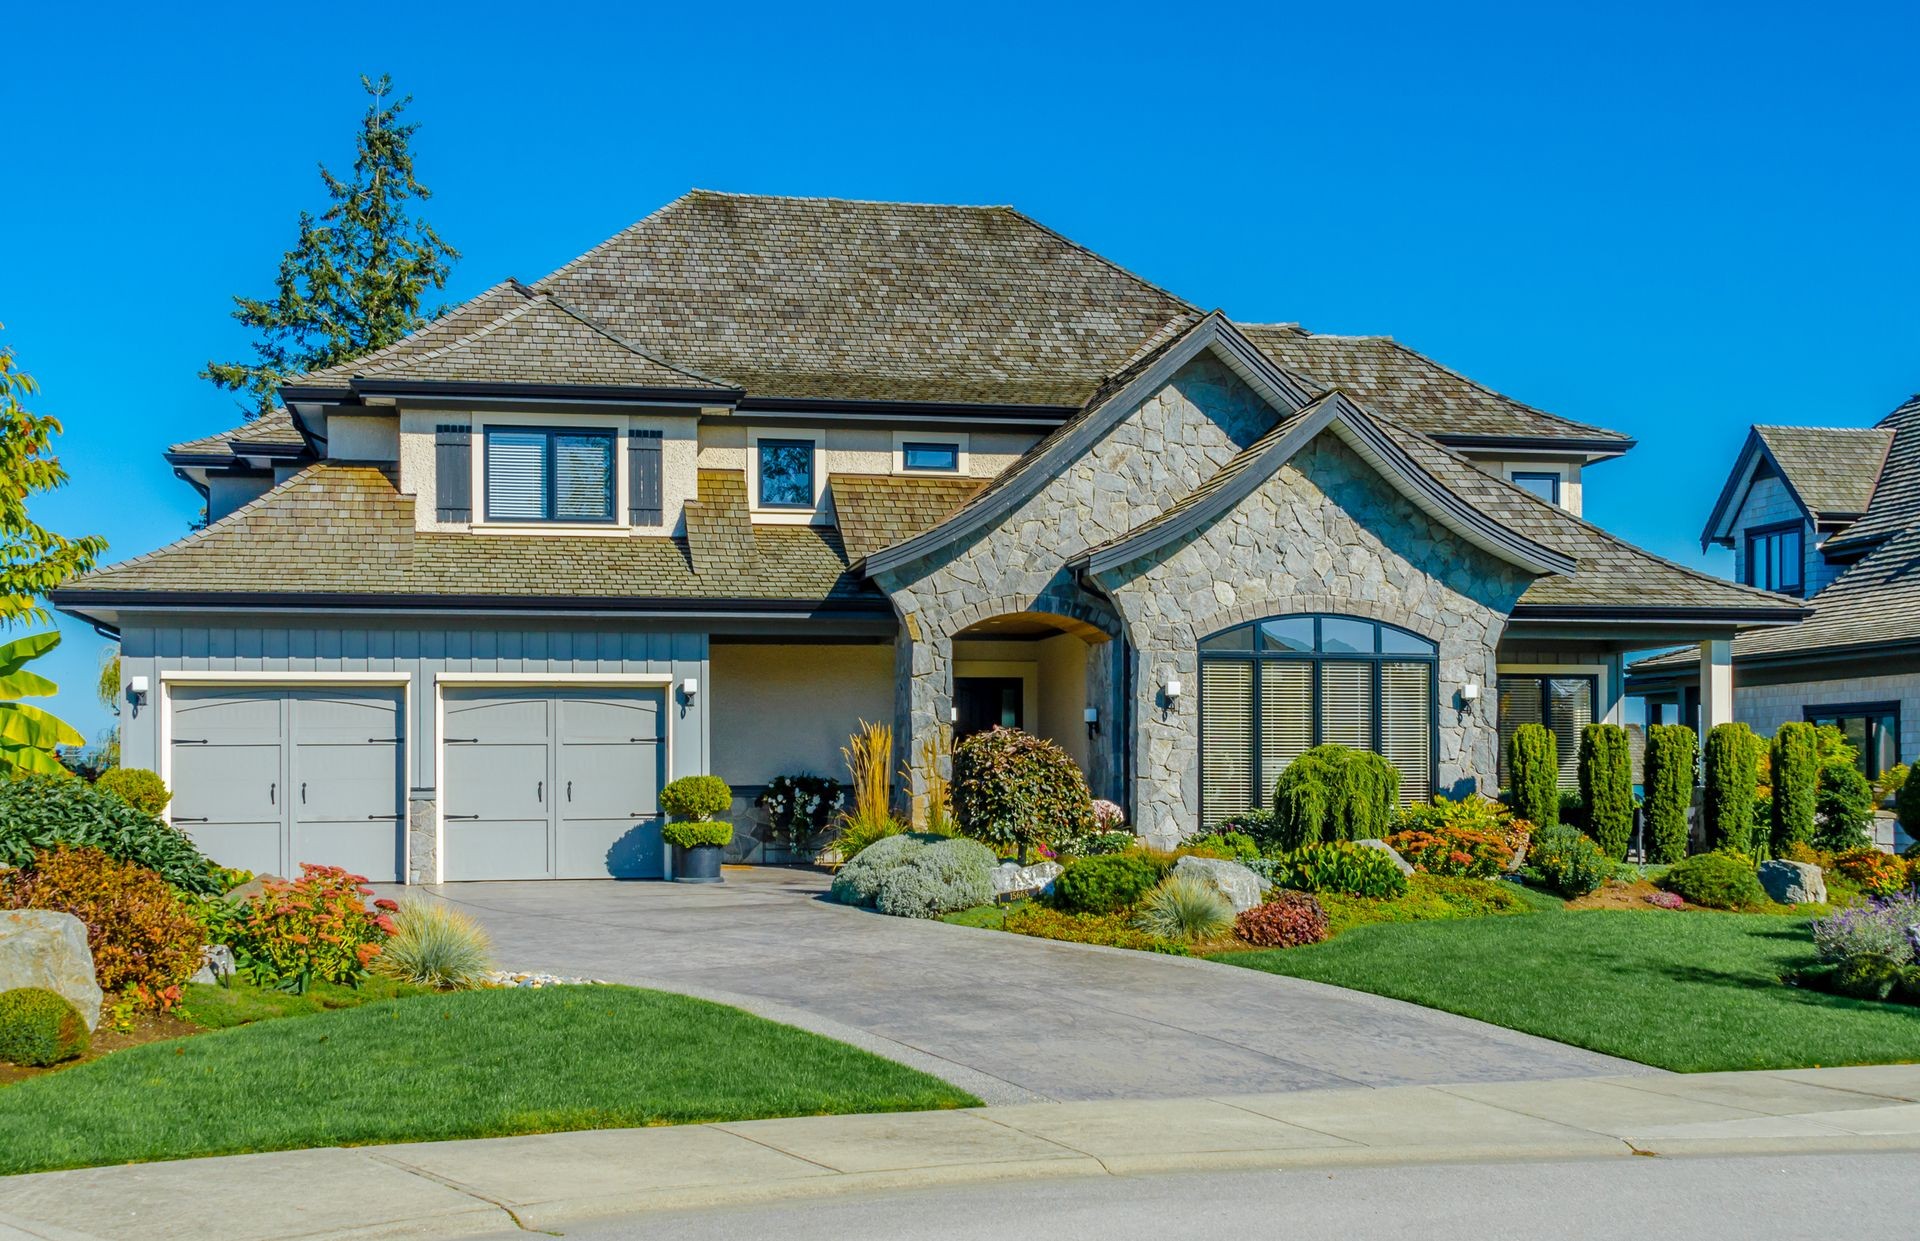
point(216, 965)
point(1239, 885)
point(1405, 867)
point(45, 948)
point(1793, 883)
point(1012, 880)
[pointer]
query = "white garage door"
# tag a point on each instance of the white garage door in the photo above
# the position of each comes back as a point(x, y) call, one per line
point(266, 779)
point(552, 784)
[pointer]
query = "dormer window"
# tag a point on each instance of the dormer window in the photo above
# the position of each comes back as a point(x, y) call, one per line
point(934, 458)
point(1544, 484)
point(785, 473)
point(1774, 558)
point(549, 474)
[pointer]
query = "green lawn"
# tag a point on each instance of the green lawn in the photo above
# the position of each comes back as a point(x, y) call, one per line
point(475, 1064)
point(1693, 992)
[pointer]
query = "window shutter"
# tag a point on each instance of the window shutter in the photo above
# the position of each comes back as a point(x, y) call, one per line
point(1226, 730)
point(453, 473)
point(643, 477)
point(1286, 719)
point(1406, 727)
point(1346, 705)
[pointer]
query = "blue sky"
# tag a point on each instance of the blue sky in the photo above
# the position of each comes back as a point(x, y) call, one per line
point(1671, 220)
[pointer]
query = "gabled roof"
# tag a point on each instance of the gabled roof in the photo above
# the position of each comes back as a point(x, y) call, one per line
point(1830, 472)
point(1895, 507)
point(876, 510)
point(271, 434)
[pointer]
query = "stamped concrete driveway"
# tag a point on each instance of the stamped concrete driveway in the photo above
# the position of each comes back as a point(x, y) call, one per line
point(1010, 1018)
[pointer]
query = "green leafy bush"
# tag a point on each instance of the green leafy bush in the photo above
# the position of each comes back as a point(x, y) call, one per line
point(858, 882)
point(687, 835)
point(1096, 845)
point(39, 1027)
point(1108, 883)
point(1184, 908)
point(1716, 881)
point(1606, 787)
point(1263, 825)
point(1795, 769)
point(1013, 788)
point(1446, 837)
point(1843, 805)
point(435, 945)
point(1428, 898)
point(1218, 843)
point(1669, 783)
point(1533, 768)
point(1906, 805)
point(317, 928)
point(1333, 793)
point(1112, 930)
point(136, 786)
point(1564, 860)
point(1338, 867)
point(145, 939)
point(949, 874)
point(1284, 920)
point(696, 798)
point(40, 812)
point(1732, 775)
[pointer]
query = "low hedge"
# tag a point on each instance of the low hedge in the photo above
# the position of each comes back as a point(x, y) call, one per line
point(694, 835)
point(1716, 881)
point(40, 1027)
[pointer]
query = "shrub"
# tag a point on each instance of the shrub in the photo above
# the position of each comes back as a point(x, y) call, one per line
point(949, 874)
point(858, 881)
point(1108, 816)
point(1906, 805)
point(1878, 978)
point(1669, 783)
point(1184, 908)
point(316, 928)
point(1339, 867)
point(1533, 769)
point(39, 1027)
point(1217, 843)
point(1445, 837)
point(1573, 809)
point(693, 835)
point(800, 807)
point(1562, 859)
point(1874, 872)
point(1606, 786)
point(1263, 825)
point(1732, 773)
point(696, 798)
point(1428, 898)
point(145, 939)
point(1013, 788)
point(1844, 801)
point(136, 786)
point(1097, 845)
point(39, 812)
point(1106, 884)
point(1112, 930)
point(1333, 793)
point(1877, 928)
point(1716, 881)
point(1285, 920)
point(1795, 773)
point(435, 945)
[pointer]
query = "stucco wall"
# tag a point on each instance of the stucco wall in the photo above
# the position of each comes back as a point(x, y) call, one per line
point(225, 494)
point(787, 709)
point(374, 437)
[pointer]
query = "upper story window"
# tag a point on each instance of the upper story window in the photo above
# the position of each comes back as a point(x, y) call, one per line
point(1544, 484)
point(1774, 558)
point(931, 456)
point(786, 473)
point(549, 474)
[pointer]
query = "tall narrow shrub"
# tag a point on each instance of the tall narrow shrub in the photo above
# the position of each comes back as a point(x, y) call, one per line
point(1732, 766)
point(1334, 793)
point(1670, 757)
point(1533, 765)
point(1796, 784)
point(1606, 787)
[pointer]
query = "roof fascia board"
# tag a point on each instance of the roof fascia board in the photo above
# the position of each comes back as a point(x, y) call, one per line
point(375, 386)
point(1812, 656)
point(1744, 617)
point(1541, 445)
point(71, 601)
point(1739, 484)
point(907, 409)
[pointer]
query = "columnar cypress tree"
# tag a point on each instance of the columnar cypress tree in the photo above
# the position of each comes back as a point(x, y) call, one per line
point(1733, 765)
point(1533, 765)
point(1796, 784)
point(1606, 786)
point(1670, 756)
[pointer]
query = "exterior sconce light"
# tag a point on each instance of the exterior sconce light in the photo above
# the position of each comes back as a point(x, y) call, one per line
point(1172, 691)
point(136, 692)
point(1469, 692)
point(953, 715)
point(1093, 721)
point(689, 690)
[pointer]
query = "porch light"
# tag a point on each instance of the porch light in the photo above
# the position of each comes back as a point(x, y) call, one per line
point(1093, 721)
point(689, 688)
point(1172, 691)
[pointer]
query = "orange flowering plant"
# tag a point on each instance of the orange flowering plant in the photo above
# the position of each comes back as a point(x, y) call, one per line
point(1460, 838)
point(317, 928)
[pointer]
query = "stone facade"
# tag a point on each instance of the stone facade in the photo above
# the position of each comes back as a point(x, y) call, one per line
point(423, 853)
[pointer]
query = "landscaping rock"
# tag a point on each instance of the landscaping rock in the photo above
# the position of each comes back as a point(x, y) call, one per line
point(1010, 879)
point(1793, 883)
point(1406, 867)
point(1239, 885)
point(45, 948)
point(216, 963)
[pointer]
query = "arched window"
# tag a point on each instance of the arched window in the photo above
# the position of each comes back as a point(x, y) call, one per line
point(1270, 689)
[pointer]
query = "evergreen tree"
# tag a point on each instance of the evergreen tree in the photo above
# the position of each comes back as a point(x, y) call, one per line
point(1533, 769)
point(1606, 787)
point(355, 280)
point(1669, 784)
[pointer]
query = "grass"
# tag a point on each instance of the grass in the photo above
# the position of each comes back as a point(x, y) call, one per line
point(1693, 992)
point(222, 1008)
point(466, 1065)
point(992, 917)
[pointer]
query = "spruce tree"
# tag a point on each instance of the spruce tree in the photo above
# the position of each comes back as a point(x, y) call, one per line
point(356, 278)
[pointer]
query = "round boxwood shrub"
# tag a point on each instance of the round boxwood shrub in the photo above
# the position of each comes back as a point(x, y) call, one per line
point(1716, 881)
point(1563, 859)
point(145, 938)
point(1015, 789)
point(1533, 770)
point(1285, 920)
point(692, 835)
point(937, 878)
point(696, 799)
point(39, 1027)
point(1334, 793)
point(40, 812)
point(136, 786)
point(1108, 883)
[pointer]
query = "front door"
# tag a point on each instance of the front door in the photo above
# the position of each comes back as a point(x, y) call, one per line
point(981, 703)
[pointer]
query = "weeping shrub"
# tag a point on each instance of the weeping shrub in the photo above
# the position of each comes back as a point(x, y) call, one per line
point(1732, 769)
point(1670, 757)
point(1334, 793)
point(1795, 766)
point(1606, 787)
point(1533, 768)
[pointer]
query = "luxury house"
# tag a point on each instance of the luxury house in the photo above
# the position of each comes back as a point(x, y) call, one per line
point(1831, 514)
point(756, 469)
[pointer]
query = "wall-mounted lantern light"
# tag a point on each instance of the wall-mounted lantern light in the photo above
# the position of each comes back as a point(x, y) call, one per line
point(1093, 721)
point(137, 692)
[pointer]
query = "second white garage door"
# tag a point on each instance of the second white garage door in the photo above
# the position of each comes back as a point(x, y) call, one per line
point(552, 784)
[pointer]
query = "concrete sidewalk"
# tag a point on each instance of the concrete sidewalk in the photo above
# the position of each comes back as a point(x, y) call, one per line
point(447, 1189)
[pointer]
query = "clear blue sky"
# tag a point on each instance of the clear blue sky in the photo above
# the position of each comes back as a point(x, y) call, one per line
point(1671, 220)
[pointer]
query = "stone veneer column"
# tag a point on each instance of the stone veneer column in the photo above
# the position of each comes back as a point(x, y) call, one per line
point(922, 700)
point(421, 852)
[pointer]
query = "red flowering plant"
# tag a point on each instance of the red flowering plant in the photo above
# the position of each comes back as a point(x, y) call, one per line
point(315, 929)
point(1465, 838)
point(1877, 873)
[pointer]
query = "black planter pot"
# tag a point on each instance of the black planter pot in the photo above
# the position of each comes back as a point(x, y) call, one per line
point(699, 864)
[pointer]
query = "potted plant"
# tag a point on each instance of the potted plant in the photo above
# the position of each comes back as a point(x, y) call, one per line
point(697, 835)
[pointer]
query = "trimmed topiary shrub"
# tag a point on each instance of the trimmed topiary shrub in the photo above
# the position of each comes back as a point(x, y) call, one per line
point(1533, 770)
point(1285, 920)
point(1669, 783)
point(1564, 860)
point(1185, 908)
point(696, 798)
point(694, 835)
point(1906, 805)
point(1015, 789)
point(1732, 770)
point(1795, 768)
point(858, 882)
point(1716, 881)
point(40, 812)
point(1335, 793)
point(145, 939)
point(40, 1027)
point(136, 786)
point(1108, 883)
point(954, 873)
point(1606, 787)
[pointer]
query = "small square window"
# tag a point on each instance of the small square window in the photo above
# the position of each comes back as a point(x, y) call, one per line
point(1546, 486)
point(786, 473)
point(943, 458)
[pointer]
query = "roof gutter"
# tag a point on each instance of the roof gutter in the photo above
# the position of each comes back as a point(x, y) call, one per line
point(1610, 614)
point(1596, 445)
point(174, 600)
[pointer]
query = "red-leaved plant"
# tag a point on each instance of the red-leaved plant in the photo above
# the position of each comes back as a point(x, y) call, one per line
point(1286, 920)
point(315, 929)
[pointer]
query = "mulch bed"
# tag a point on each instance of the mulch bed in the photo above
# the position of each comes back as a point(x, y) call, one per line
point(1614, 895)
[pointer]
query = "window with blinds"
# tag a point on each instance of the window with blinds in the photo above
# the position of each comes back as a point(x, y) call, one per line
point(537, 474)
point(1563, 703)
point(1273, 688)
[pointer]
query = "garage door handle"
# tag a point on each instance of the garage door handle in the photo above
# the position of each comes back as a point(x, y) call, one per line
point(383, 740)
point(181, 818)
point(454, 816)
point(303, 792)
point(189, 741)
point(569, 790)
point(540, 791)
point(463, 741)
point(272, 790)
point(394, 816)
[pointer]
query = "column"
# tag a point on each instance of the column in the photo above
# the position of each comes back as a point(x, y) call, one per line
point(1716, 684)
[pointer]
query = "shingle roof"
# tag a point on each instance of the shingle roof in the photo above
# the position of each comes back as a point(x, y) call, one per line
point(273, 429)
point(1895, 506)
point(878, 510)
point(1392, 379)
point(338, 529)
point(1832, 469)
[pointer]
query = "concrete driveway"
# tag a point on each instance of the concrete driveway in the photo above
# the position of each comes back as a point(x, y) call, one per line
point(1010, 1018)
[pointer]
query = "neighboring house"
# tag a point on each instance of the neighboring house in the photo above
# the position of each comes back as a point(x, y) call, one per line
point(1833, 514)
point(757, 469)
